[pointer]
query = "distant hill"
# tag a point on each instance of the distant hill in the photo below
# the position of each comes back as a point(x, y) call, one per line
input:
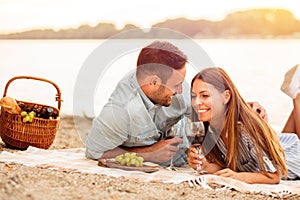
point(254, 23)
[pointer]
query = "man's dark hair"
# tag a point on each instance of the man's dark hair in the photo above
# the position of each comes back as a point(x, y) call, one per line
point(160, 58)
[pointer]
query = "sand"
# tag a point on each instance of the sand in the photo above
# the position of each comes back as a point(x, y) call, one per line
point(22, 182)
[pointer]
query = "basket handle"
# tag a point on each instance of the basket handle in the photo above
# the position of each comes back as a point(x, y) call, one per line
point(57, 97)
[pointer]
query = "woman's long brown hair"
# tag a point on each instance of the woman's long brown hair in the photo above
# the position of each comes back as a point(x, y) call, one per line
point(265, 138)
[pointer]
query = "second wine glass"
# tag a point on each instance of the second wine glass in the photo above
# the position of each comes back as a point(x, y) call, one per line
point(196, 137)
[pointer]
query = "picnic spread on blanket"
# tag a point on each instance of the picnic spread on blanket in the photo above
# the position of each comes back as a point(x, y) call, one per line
point(74, 160)
point(33, 126)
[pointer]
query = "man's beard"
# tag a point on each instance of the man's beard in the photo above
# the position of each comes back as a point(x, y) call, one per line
point(165, 100)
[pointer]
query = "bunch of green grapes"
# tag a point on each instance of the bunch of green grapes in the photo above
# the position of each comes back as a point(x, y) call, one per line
point(28, 117)
point(130, 159)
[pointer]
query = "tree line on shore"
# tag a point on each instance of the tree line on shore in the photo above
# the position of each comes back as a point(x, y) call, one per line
point(254, 23)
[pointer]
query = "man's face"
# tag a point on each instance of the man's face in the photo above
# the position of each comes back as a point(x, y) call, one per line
point(163, 95)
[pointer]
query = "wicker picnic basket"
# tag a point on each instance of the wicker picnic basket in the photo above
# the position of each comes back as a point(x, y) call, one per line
point(40, 132)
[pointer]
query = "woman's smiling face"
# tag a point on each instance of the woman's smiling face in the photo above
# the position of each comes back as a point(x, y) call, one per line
point(208, 102)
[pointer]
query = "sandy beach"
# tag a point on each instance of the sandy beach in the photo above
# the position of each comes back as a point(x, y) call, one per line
point(22, 182)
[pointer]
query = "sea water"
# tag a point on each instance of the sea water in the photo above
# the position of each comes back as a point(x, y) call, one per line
point(257, 66)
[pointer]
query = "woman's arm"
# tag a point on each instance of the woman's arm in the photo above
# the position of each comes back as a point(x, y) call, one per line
point(251, 177)
point(248, 177)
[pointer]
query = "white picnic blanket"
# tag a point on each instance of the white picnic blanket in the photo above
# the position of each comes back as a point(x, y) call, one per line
point(74, 160)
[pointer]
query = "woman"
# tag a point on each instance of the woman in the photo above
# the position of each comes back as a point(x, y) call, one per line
point(238, 143)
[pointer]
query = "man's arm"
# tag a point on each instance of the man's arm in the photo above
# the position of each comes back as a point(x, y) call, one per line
point(161, 151)
point(109, 130)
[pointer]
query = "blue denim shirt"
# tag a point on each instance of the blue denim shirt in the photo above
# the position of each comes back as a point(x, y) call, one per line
point(130, 119)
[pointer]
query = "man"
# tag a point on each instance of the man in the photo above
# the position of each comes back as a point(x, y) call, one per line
point(143, 107)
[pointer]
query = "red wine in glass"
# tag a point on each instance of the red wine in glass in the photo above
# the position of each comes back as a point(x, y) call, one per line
point(174, 132)
point(196, 137)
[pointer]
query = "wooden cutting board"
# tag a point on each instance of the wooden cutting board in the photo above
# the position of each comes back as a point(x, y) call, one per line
point(111, 163)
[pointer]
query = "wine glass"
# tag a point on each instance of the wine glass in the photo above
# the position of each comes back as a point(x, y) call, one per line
point(196, 137)
point(174, 131)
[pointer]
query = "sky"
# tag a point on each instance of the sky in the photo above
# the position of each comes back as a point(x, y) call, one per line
point(22, 15)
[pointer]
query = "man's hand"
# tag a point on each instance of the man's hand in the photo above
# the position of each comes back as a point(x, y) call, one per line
point(259, 110)
point(163, 150)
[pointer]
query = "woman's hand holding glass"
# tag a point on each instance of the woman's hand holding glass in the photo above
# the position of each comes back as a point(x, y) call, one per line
point(196, 160)
point(196, 137)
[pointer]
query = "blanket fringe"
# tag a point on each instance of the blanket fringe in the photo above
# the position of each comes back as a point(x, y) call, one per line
point(199, 181)
point(229, 184)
